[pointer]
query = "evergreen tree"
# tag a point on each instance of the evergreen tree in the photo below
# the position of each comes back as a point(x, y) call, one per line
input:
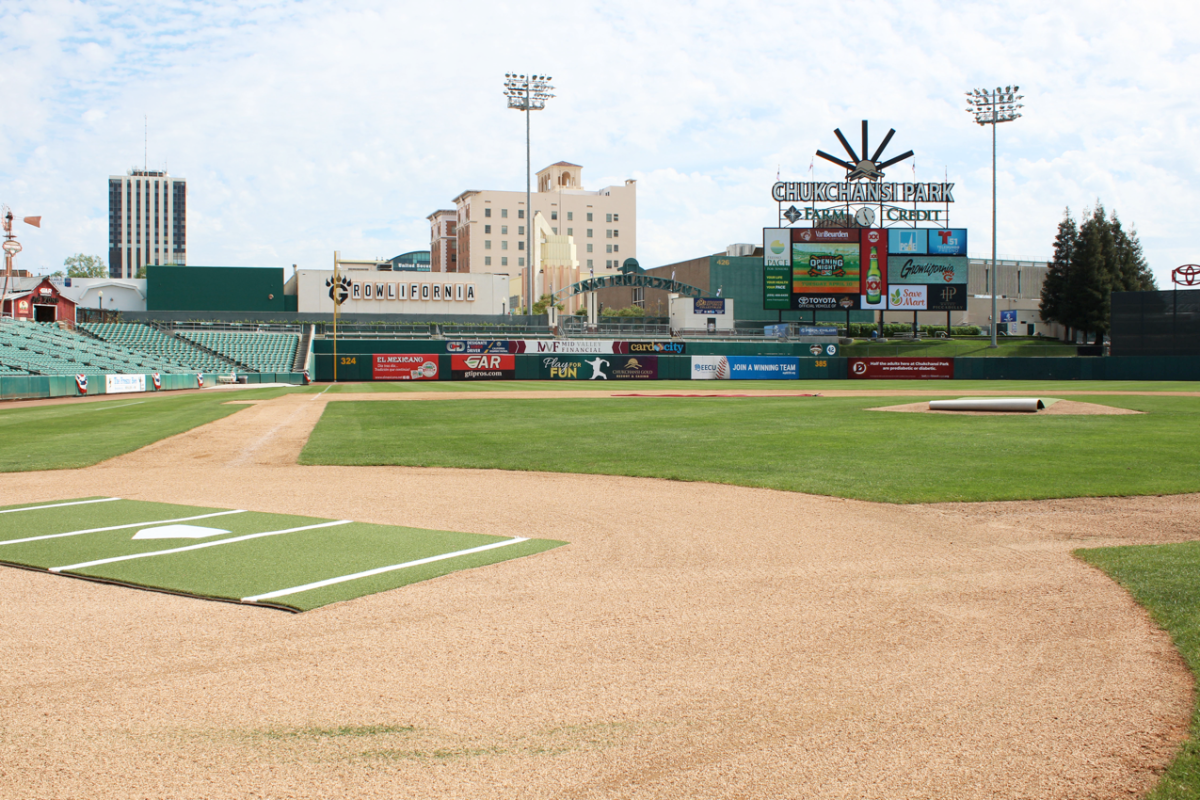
point(1091, 280)
point(1055, 303)
point(1091, 261)
point(1129, 262)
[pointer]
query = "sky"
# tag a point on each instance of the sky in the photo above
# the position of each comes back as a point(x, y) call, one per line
point(303, 127)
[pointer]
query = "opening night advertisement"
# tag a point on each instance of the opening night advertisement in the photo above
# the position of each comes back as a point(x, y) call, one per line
point(839, 268)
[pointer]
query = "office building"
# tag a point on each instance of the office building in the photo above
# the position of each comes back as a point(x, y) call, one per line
point(489, 226)
point(147, 221)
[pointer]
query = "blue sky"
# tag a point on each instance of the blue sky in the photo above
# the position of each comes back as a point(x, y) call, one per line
point(309, 126)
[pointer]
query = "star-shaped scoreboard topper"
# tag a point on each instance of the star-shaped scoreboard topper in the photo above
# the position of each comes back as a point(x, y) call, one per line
point(864, 168)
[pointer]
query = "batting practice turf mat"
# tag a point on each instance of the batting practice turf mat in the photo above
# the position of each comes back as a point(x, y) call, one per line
point(293, 563)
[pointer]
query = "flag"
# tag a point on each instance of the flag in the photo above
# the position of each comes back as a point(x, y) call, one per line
point(81, 383)
point(719, 289)
point(672, 274)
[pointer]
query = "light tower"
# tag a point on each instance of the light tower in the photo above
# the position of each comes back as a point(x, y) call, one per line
point(527, 93)
point(991, 108)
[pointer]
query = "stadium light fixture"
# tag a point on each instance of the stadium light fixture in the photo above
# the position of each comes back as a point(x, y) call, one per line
point(992, 108)
point(527, 93)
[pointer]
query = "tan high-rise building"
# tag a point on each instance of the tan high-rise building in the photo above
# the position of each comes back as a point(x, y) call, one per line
point(602, 224)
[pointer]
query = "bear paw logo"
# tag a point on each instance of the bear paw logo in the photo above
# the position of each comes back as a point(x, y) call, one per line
point(340, 292)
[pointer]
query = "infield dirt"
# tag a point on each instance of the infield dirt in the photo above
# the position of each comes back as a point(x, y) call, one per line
point(692, 641)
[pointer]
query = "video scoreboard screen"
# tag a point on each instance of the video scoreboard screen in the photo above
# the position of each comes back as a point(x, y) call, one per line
point(895, 269)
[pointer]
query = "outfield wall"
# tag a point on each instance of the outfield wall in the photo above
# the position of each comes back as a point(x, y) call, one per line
point(360, 364)
point(33, 387)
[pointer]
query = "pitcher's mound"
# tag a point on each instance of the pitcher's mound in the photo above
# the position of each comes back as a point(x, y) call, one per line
point(1052, 407)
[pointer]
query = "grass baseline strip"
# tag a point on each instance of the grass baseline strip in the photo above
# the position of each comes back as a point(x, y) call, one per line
point(117, 527)
point(380, 570)
point(202, 545)
point(60, 505)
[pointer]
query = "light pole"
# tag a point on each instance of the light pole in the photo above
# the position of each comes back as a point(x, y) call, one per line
point(527, 93)
point(991, 108)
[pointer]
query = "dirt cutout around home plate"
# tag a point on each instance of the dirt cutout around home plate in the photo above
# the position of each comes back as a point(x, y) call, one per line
point(693, 640)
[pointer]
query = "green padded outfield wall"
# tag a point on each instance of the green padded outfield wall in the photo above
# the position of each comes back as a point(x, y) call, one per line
point(171, 288)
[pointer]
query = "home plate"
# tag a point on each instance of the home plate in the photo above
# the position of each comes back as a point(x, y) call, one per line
point(177, 532)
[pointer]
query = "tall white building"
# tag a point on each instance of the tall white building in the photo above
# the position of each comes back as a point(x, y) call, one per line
point(147, 221)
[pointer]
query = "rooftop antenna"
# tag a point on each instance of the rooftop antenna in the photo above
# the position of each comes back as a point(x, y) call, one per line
point(145, 142)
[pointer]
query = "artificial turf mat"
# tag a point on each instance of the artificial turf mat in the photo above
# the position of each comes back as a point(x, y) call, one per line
point(255, 557)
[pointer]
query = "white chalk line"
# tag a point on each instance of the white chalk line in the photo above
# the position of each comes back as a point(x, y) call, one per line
point(102, 407)
point(379, 570)
point(116, 527)
point(218, 543)
point(60, 505)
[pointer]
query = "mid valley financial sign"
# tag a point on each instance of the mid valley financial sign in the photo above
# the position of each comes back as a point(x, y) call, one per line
point(834, 269)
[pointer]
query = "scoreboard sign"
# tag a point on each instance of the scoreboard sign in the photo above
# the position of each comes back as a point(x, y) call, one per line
point(833, 269)
point(824, 269)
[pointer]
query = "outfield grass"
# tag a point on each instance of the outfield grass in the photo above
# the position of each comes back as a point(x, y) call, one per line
point(71, 435)
point(1163, 579)
point(828, 446)
point(975, 347)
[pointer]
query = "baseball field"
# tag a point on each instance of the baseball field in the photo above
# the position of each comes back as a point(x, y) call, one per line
point(520, 590)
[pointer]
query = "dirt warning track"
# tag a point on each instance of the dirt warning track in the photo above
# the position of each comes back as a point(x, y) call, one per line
point(691, 641)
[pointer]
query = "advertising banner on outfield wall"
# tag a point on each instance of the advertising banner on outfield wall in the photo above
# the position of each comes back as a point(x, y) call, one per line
point(404, 367)
point(116, 384)
point(903, 368)
point(599, 367)
point(483, 367)
point(707, 368)
point(586, 346)
point(479, 347)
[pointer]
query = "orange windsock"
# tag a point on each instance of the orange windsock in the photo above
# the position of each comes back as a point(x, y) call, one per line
point(34, 221)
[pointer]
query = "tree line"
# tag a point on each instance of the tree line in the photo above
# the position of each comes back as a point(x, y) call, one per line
point(1092, 259)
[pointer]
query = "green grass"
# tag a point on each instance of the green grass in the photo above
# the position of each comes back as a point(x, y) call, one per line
point(1163, 578)
point(829, 446)
point(975, 347)
point(250, 554)
point(72, 435)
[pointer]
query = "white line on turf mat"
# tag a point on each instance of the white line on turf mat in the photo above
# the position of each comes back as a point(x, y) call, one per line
point(99, 561)
point(379, 570)
point(117, 527)
point(60, 505)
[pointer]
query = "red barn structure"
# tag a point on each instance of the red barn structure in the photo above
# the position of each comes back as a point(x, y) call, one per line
point(41, 303)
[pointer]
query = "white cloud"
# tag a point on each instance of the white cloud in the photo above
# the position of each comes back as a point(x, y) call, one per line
point(308, 127)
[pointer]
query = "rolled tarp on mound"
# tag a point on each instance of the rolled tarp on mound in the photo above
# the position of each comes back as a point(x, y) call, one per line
point(987, 404)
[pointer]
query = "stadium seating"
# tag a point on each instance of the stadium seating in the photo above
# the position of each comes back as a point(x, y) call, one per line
point(157, 345)
point(28, 348)
point(261, 352)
